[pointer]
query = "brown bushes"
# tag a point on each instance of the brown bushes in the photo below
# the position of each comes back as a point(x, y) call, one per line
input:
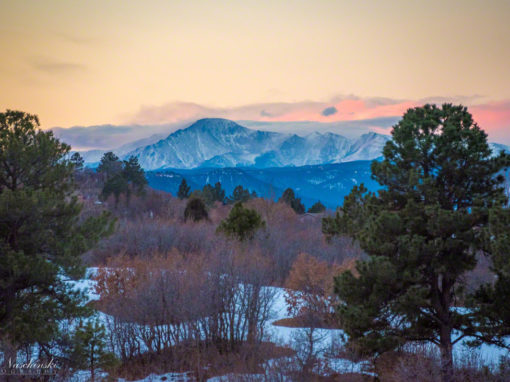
point(175, 299)
point(421, 363)
point(310, 288)
point(158, 227)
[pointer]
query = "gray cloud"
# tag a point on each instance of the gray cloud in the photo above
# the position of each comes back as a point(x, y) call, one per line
point(179, 111)
point(165, 119)
point(329, 111)
point(108, 137)
point(75, 39)
point(467, 100)
point(100, 137)
point(52, 66)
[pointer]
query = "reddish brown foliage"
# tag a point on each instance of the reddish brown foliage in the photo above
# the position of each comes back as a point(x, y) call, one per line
point(310, 286)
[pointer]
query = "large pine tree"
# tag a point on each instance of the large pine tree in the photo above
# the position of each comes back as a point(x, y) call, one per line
point(442, 206)
point(42, 234)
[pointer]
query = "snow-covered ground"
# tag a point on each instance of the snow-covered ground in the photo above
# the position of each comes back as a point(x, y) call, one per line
point(324, 340)
point(86, 284)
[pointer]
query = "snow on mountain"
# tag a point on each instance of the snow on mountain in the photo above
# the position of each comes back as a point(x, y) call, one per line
point(368, 146)
point(206, 140)
point(497, 147)
point(215, 142)
point(128, 147)
point(221, 143)
point(91, 157)
point(315, 148)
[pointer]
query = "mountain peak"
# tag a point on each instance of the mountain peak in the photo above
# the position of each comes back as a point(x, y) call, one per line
point(214, 120)
point(215, 126)
point(218, 142)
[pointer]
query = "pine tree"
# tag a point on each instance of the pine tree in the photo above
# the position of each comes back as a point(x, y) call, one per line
point(318, 207)
point(423, 232)
point(110, 165)
point(241, 194)
point(210, 194)
point(134, 176)
point(184, 190)
point(288, 197)
point(121, 177)
point(218, 193)
point(78, 161)
point(195, 210)
point(116, 186)
point(241, 223)
point(41, 234)
point(89, 348)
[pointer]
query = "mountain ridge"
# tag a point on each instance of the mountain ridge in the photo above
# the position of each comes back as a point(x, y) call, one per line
point(216, 142)
point(222, 143)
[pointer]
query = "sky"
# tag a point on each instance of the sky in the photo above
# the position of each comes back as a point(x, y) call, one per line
point(80, 63)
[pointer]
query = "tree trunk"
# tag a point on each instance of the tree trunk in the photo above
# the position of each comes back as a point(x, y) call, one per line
point(446, 348)
point(253, 315)
point(92, 366)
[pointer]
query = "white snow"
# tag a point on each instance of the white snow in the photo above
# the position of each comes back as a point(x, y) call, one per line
point(229, 144)
point(325, 339)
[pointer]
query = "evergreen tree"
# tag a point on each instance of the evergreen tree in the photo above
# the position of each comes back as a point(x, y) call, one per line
point(110, 165)
point(195, 210)
point(121, 177)
point(78, 161)
point(218, 193)
point(134, 177)
point(116, 186)
point(240, 194)
point(490, 302)
point(422, 233)
point(184, 190)
point(241, 223)
point(210, 194)
point(317, 208)
point(41, 234)
point(289, 198)
point(207, 194)
point(90, 349)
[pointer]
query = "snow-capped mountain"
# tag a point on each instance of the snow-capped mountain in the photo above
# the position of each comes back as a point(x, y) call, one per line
point(497, 147)
point(218, 142)
point(368, 146)
point(221, 143)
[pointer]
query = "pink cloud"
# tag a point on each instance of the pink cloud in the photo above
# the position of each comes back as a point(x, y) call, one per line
point(494, 114)
point(346, 110)
point(493, 117)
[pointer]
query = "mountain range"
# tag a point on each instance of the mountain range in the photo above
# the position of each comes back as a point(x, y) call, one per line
point(317, 166)
point(220, 143)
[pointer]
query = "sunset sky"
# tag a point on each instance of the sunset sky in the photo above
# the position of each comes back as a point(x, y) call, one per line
point(160, 61)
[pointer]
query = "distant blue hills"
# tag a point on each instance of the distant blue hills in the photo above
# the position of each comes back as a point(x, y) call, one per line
point(329, 183)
